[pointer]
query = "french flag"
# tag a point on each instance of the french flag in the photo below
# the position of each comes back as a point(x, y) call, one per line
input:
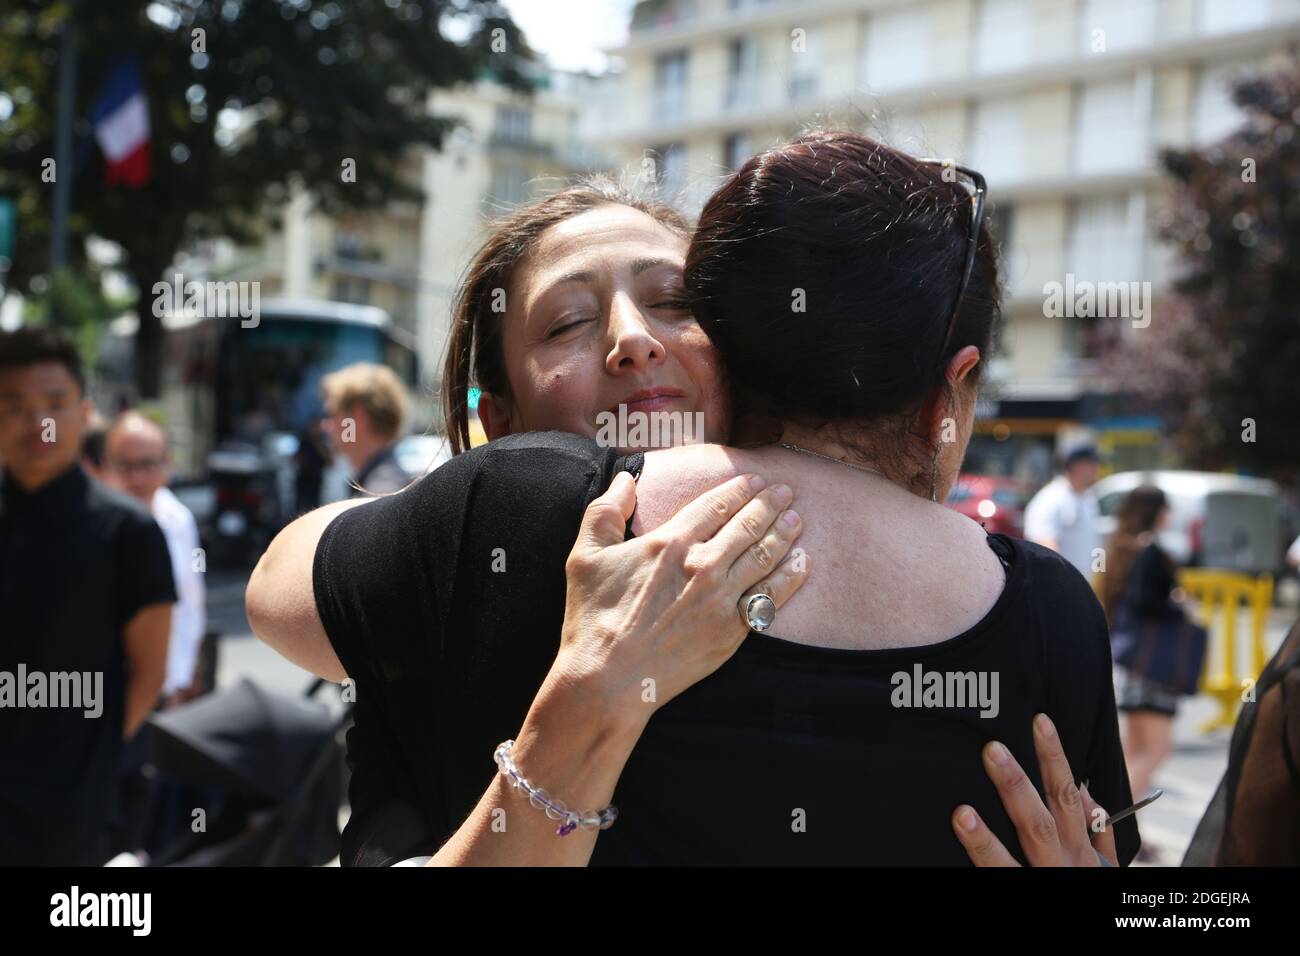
point(121, 120)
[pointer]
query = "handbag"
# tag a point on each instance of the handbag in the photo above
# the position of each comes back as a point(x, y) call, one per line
point(1169, 653)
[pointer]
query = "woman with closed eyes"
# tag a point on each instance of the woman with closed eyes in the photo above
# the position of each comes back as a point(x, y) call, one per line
point(830, 317)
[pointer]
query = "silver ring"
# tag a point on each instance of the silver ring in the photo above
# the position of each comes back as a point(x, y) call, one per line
point(758, 610)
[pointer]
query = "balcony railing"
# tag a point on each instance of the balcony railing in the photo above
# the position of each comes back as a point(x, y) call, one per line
point(519, 144)
point(669, 105)
point(961, 73)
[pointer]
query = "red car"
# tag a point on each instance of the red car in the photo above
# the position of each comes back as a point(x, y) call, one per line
point(997, 503)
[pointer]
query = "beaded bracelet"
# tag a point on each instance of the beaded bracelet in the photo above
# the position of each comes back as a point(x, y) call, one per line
point(555, 809)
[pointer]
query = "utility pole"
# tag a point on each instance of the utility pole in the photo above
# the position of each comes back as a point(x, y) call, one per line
point(63, 148)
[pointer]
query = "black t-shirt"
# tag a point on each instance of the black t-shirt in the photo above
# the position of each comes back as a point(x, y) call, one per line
point(445, 605)
point(1151, 582)
point(77, 561)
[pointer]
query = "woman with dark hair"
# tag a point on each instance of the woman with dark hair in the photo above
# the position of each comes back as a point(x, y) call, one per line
point(851, 293)
point(1140, 587)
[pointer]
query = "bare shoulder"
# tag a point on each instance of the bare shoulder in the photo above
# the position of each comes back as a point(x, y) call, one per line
point(966, 538)
point(947, 555)
point(673, 477)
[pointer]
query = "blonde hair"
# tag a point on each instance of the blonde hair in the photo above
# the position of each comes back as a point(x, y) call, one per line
point(376, 388)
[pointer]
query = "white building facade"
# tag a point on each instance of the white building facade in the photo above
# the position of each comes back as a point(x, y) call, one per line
point(1063, 105)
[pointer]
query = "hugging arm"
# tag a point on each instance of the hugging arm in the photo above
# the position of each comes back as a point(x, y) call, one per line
point(662, 604)
point(1067, 830)
point(280, 602)
point(1064, 828)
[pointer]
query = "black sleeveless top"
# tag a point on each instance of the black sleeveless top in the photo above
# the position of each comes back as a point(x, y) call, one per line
point(445, 603)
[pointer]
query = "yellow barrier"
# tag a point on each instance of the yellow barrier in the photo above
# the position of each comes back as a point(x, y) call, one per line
point(1219, 594)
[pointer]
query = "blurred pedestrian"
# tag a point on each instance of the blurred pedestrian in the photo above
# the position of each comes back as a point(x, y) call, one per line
point(1141, 596)
point(138, 463)
point(86, 596)
point(1254, 817)
point(310, 461)
point(1063, 515)
point(92, 445)
point(365, 409)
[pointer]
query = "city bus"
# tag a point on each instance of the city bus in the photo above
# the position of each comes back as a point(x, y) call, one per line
point(224, 383)
point(234, 398)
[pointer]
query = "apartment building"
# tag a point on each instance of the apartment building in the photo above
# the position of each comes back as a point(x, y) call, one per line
point(1062, 104)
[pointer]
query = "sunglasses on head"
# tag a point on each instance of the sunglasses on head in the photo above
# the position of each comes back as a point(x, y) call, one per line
point(977, 218)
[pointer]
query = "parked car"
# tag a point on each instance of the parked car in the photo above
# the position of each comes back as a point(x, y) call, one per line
point(420, 454)
point(1215, 521)
point(996, 502)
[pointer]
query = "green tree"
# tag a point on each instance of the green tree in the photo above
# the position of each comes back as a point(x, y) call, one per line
point(1221, 358)
point(247, 98)
point(81, 304)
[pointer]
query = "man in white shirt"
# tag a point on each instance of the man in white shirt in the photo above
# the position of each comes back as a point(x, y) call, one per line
point(1063, 515)
point(137, 462)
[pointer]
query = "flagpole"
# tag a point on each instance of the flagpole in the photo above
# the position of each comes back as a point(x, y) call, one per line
point(63, 148)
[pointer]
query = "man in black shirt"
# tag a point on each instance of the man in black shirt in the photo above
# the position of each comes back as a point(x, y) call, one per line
point(85, 608)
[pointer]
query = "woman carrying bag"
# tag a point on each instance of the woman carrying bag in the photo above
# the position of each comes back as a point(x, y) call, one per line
point(1159, 649)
